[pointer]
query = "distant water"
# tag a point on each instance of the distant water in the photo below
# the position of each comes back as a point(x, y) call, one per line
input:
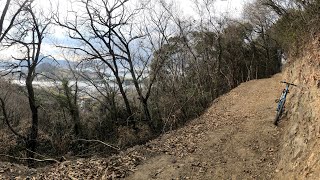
point(82, 85)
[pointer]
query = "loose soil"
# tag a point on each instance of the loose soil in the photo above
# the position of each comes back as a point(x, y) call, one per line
point(234, 139)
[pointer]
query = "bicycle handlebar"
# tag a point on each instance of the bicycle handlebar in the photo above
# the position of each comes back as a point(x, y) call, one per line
point(287, 83)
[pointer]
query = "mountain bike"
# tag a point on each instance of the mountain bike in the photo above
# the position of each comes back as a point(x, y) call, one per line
point(282, 101)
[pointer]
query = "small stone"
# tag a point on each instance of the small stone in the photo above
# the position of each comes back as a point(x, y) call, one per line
point(174, 160)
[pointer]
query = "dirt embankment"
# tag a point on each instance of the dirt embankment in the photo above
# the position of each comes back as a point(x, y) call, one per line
point(300, 157)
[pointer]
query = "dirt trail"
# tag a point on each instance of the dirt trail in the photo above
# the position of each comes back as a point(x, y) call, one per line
point(234, 139)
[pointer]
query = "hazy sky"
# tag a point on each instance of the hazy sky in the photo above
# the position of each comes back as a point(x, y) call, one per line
point(233, 8)
point(230, 8)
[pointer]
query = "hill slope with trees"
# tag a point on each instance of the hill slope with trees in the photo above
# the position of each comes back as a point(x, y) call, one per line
point(153, 71)
point(234, 138)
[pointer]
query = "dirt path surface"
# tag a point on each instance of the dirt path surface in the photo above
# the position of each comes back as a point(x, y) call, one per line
point(234, 139)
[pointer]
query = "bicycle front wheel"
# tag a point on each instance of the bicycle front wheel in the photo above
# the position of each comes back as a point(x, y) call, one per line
point(276, 119)
point(279, 112)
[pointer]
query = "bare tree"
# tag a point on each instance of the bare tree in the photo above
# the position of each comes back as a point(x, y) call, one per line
point(72, 105)
point(275, 5)
point(210, 27)
point(96, 30)
point(28, 37)
point(105, 87)
point(8, 5)
point(110, 35)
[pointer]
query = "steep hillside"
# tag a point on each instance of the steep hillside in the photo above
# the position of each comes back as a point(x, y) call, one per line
point(234, 138)
point(301, 140)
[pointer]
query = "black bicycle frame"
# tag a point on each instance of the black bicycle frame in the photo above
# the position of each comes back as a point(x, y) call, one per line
point(282, 101)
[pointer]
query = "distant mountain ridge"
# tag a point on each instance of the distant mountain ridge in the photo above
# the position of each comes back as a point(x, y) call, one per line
point(44, 60)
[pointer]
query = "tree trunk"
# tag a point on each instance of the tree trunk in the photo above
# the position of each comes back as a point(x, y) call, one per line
point(148, 115)
point(31, 143)
point(143, 100)
point(218, 68)
point(73, 109)
point(126, 101)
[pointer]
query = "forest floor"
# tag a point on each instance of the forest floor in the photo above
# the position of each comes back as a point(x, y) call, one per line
point(234, 139)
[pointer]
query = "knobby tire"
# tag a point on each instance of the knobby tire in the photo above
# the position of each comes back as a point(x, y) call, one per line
point(277, 118)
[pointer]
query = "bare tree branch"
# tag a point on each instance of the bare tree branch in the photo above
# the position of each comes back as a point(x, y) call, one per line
point(101, 142)
point(6, 117)
point(28, 159)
